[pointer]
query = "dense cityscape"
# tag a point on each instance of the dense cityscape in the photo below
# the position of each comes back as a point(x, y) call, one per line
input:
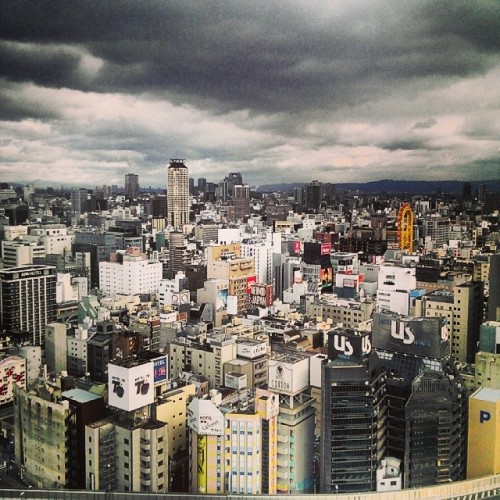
point(210, 338)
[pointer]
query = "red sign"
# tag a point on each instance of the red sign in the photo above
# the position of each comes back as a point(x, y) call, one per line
point(326, 248)
point(296, 247)
point(250, 281)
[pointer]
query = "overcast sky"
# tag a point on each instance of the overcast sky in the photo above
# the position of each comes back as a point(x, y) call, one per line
point(281, 91)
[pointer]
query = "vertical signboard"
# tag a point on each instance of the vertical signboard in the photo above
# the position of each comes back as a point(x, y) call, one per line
point(160, 369)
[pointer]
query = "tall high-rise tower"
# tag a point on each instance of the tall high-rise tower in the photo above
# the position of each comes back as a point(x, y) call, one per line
point(177, 193)
point(131, 186)
point(241, 195)
point(313, 195)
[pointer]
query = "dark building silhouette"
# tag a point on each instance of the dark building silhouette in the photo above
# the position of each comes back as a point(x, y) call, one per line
point(494, 287)
point(99, 352)
point(131, 186)
point(313, 195)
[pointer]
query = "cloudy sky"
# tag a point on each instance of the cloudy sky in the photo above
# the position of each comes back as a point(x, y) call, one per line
point(281, 91)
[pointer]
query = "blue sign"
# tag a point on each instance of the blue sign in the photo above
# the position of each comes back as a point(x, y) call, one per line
point(160, 369)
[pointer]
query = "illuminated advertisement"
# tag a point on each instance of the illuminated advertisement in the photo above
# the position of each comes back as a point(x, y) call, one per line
point(160, 369)
point(326, 277)
point(131, 387)
point(221, 299)
point(296, 247)
point(420, 336)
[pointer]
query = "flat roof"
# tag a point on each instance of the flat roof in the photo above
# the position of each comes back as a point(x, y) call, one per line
point(80, 395)
point(487, 394)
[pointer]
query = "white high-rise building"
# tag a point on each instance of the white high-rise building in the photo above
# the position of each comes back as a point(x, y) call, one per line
point(131, 273)
point(262, 253)
point(177, 193)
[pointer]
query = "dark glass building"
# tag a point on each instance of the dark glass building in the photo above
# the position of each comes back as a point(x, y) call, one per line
point(353, 415)
point(28, 301)
point(426, 398)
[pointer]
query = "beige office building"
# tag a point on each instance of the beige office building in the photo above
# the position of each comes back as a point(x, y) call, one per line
point(225, 262)
point(127, 455)
point(177, 194)
point(202, 358)
point(463, 309)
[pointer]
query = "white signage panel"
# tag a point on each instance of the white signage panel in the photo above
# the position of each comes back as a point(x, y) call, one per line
point(131, 387)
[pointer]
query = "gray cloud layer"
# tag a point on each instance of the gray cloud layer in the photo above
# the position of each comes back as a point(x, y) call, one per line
point(280, 91)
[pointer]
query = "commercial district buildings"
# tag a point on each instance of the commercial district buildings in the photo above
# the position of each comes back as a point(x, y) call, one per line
point(224, 341)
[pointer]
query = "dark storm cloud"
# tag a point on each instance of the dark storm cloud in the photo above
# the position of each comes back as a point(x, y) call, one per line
point(361, 88)
point(257, 55)
point(16, 107)
point(407, 145)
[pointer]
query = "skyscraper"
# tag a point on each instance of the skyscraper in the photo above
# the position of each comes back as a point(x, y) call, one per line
point(177, 193)
point(28, 300)
point(353, 414)
point(131, 186)
point(241, 201)
point(426, 398)
point(313, 195)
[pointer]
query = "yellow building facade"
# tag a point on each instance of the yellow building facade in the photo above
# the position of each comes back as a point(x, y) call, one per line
point(483, 457)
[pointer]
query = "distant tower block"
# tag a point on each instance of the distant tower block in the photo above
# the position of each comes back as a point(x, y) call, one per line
point(405, 227)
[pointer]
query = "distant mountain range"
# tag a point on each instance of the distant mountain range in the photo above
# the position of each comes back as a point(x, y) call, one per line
point(396, 187)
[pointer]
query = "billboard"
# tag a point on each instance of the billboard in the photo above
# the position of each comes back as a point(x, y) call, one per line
point(221, 299)
point(131, 387)
point(205, 418)
point(251, 349)
point(160, 369)
point(251, 280)
point(261, 295)
point(296, 247)
point(202, 463)
point(326, 277)
point(420, 336)
point(349, 344)
point(350, 283)
point(326, 248)
point(288, 377)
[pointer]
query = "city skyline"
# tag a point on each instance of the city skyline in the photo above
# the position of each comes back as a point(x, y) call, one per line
point(351, 92)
